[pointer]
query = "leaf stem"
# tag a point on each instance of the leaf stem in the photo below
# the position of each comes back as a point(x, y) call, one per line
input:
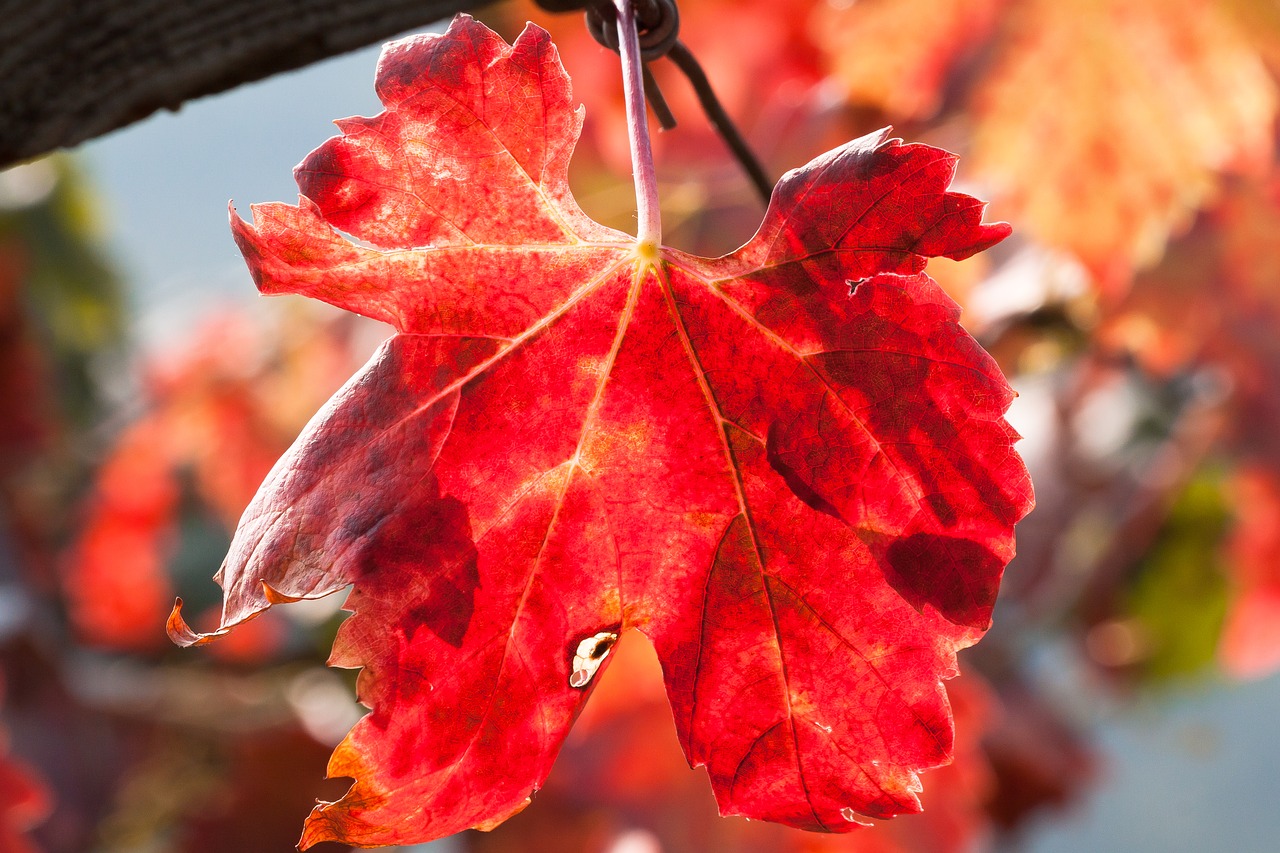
point(649, 218)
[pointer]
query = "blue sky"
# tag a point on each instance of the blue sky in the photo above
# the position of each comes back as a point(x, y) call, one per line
point(165, 183)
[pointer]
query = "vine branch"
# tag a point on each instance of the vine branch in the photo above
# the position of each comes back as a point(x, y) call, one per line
point(71, 70)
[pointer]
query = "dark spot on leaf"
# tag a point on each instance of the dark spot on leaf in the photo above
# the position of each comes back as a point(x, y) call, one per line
point(427, 546)
point(794, 481)
point(957, 576)
point(943, 509)
point(588, 656)
point(449, 608)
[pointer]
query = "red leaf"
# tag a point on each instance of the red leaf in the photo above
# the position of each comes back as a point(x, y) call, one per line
point(787, 466)
point(1250, 645)
point(25, 804)
point(114, 576)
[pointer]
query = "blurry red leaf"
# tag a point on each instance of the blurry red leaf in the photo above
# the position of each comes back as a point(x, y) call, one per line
point(269, 777)
point(24, 803)
point(787, 466)
point(25, 800)
point(115, 578)
point(897, 55)
point(234, 399)
point(1102, 125)
point(216, 420)
point(1038, 759)
point(1215, 299)
point(1250, 645)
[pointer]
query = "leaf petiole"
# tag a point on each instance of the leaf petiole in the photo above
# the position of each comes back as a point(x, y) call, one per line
point(648, 215)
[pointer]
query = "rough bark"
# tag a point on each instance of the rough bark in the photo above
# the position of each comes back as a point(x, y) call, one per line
point(71, 70)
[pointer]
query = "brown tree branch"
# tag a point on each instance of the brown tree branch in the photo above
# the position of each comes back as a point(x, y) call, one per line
point(71, 70)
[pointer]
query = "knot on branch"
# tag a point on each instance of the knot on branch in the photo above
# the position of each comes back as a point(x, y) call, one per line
point(658, 27)
point(658, 23)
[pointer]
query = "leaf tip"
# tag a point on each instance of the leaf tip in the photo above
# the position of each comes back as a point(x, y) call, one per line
point(182, 634)
point(988, 235)
point(274, 596)
point(316, 829)
point(536, 34)
point(494, 822)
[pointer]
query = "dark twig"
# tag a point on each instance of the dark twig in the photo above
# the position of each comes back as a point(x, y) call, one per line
point(659, 27)
point(657, 102)
point(684, 60)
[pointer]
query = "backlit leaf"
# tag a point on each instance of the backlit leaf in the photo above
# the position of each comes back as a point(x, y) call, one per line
point(788, 466)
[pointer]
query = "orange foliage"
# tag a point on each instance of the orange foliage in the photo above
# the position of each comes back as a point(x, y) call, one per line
point(1101, 125)
point(898, 55)
point(219, 415)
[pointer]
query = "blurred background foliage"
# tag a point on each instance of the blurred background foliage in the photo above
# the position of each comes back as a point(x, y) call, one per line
point(1132, 144)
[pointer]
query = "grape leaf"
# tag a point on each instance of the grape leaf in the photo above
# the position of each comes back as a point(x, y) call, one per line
point(787, 466)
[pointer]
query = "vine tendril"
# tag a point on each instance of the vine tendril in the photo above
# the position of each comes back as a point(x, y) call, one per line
point(658, 23)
